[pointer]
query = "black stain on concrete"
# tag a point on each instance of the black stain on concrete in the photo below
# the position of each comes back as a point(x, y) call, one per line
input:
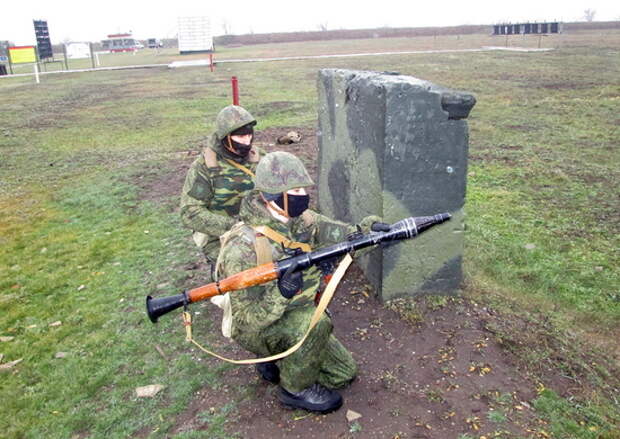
point(339, 181)
point(445, 280)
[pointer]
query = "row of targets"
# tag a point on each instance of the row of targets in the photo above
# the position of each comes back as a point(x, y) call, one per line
point(527, 28)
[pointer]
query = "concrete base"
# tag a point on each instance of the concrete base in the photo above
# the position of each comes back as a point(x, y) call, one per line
point(396, 146)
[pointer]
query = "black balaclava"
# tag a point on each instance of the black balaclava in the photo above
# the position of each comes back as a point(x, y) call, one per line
point(236, 148)
point(291, 205)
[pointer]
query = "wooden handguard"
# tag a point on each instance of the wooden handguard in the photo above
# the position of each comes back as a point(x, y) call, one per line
point(247, 278)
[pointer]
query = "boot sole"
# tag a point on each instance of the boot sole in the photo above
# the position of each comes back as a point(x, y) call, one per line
point(318, 408)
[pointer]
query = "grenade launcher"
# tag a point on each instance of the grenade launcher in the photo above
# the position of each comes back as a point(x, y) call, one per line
point(403, 229)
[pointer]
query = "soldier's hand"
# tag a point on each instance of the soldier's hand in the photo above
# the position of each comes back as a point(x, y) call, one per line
point(367, 222)
point(380, 227)
point(290, 284)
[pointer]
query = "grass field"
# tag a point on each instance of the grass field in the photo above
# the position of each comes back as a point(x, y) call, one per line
point(82, 242)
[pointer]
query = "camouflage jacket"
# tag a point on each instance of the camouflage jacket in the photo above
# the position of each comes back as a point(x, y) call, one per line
point(212, 192)
point(256, 308)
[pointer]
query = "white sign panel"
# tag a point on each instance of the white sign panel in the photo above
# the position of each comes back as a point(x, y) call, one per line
point(195, 34)
point(78, 50)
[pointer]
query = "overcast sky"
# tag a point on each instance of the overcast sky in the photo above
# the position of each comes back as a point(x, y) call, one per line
point(92, 21)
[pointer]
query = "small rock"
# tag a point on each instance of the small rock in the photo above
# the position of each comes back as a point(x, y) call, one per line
point(81, 287)
point(598, 268)
point(147, 232)
point(8, 366)
point(530, 246)
point(149, 391)
point(353, 416)
point(44, 250)
point(56, 323)
point(291, 137)
point(6, 338)
point(60, 355)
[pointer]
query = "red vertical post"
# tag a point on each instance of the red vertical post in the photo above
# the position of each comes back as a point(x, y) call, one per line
point(211, 62)
point(235, 90)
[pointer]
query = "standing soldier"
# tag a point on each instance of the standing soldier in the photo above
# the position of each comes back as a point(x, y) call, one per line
point(218, 179)
point(270, 318)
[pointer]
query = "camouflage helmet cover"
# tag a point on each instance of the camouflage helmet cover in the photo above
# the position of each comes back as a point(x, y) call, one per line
point(230, 119)
point(281, 171)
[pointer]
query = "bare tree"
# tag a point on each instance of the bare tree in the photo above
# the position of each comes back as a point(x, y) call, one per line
point(322, 26)
point(589, 14)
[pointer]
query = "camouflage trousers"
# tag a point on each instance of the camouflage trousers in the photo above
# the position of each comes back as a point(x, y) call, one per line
point(320, 359)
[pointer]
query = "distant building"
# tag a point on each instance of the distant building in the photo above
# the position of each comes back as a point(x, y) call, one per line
point(120, 43)
point(4, 47)
point(154, 43)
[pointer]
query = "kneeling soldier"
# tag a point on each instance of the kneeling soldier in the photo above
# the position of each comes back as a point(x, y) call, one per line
point(270, 318)
point(218, 179)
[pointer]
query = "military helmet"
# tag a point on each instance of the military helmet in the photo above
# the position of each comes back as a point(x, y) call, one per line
point(280, 172)
point(230, 119)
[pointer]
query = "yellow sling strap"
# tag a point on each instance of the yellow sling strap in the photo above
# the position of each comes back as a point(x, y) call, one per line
point(264, 253)
point(240, 167)
point(280, 239)
point(210, 157)
point(326, 297)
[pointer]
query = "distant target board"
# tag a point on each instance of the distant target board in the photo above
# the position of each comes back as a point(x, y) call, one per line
point(23, 54)
point(77, 50)
point(195, 35)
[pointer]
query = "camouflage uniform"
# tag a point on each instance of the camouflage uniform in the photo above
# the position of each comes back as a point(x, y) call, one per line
point(266, 323)
point(213, 189)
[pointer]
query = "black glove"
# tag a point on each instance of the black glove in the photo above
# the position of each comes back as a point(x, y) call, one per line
point(291, 282)
point(380, 227)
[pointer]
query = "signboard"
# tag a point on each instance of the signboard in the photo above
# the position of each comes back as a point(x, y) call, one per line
point(44, 44)
point(195, 35)
point(78, 50)
point(22, 54)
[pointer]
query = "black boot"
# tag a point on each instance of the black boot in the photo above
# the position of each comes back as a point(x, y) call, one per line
point(269, 372)
point(315, 398)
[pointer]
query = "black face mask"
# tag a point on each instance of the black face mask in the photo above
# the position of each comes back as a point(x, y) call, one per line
point(297, 204)
point(238, 149)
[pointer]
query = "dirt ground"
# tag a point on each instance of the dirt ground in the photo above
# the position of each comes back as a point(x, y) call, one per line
point(433, 368)
point(437, 378)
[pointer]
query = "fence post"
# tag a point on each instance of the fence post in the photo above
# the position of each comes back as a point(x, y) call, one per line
point(235, 90)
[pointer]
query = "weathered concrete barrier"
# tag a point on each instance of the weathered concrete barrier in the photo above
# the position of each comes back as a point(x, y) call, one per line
point(396, 146)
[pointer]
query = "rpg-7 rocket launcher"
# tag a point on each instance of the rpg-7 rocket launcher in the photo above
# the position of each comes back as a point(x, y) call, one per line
point(404, 229)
